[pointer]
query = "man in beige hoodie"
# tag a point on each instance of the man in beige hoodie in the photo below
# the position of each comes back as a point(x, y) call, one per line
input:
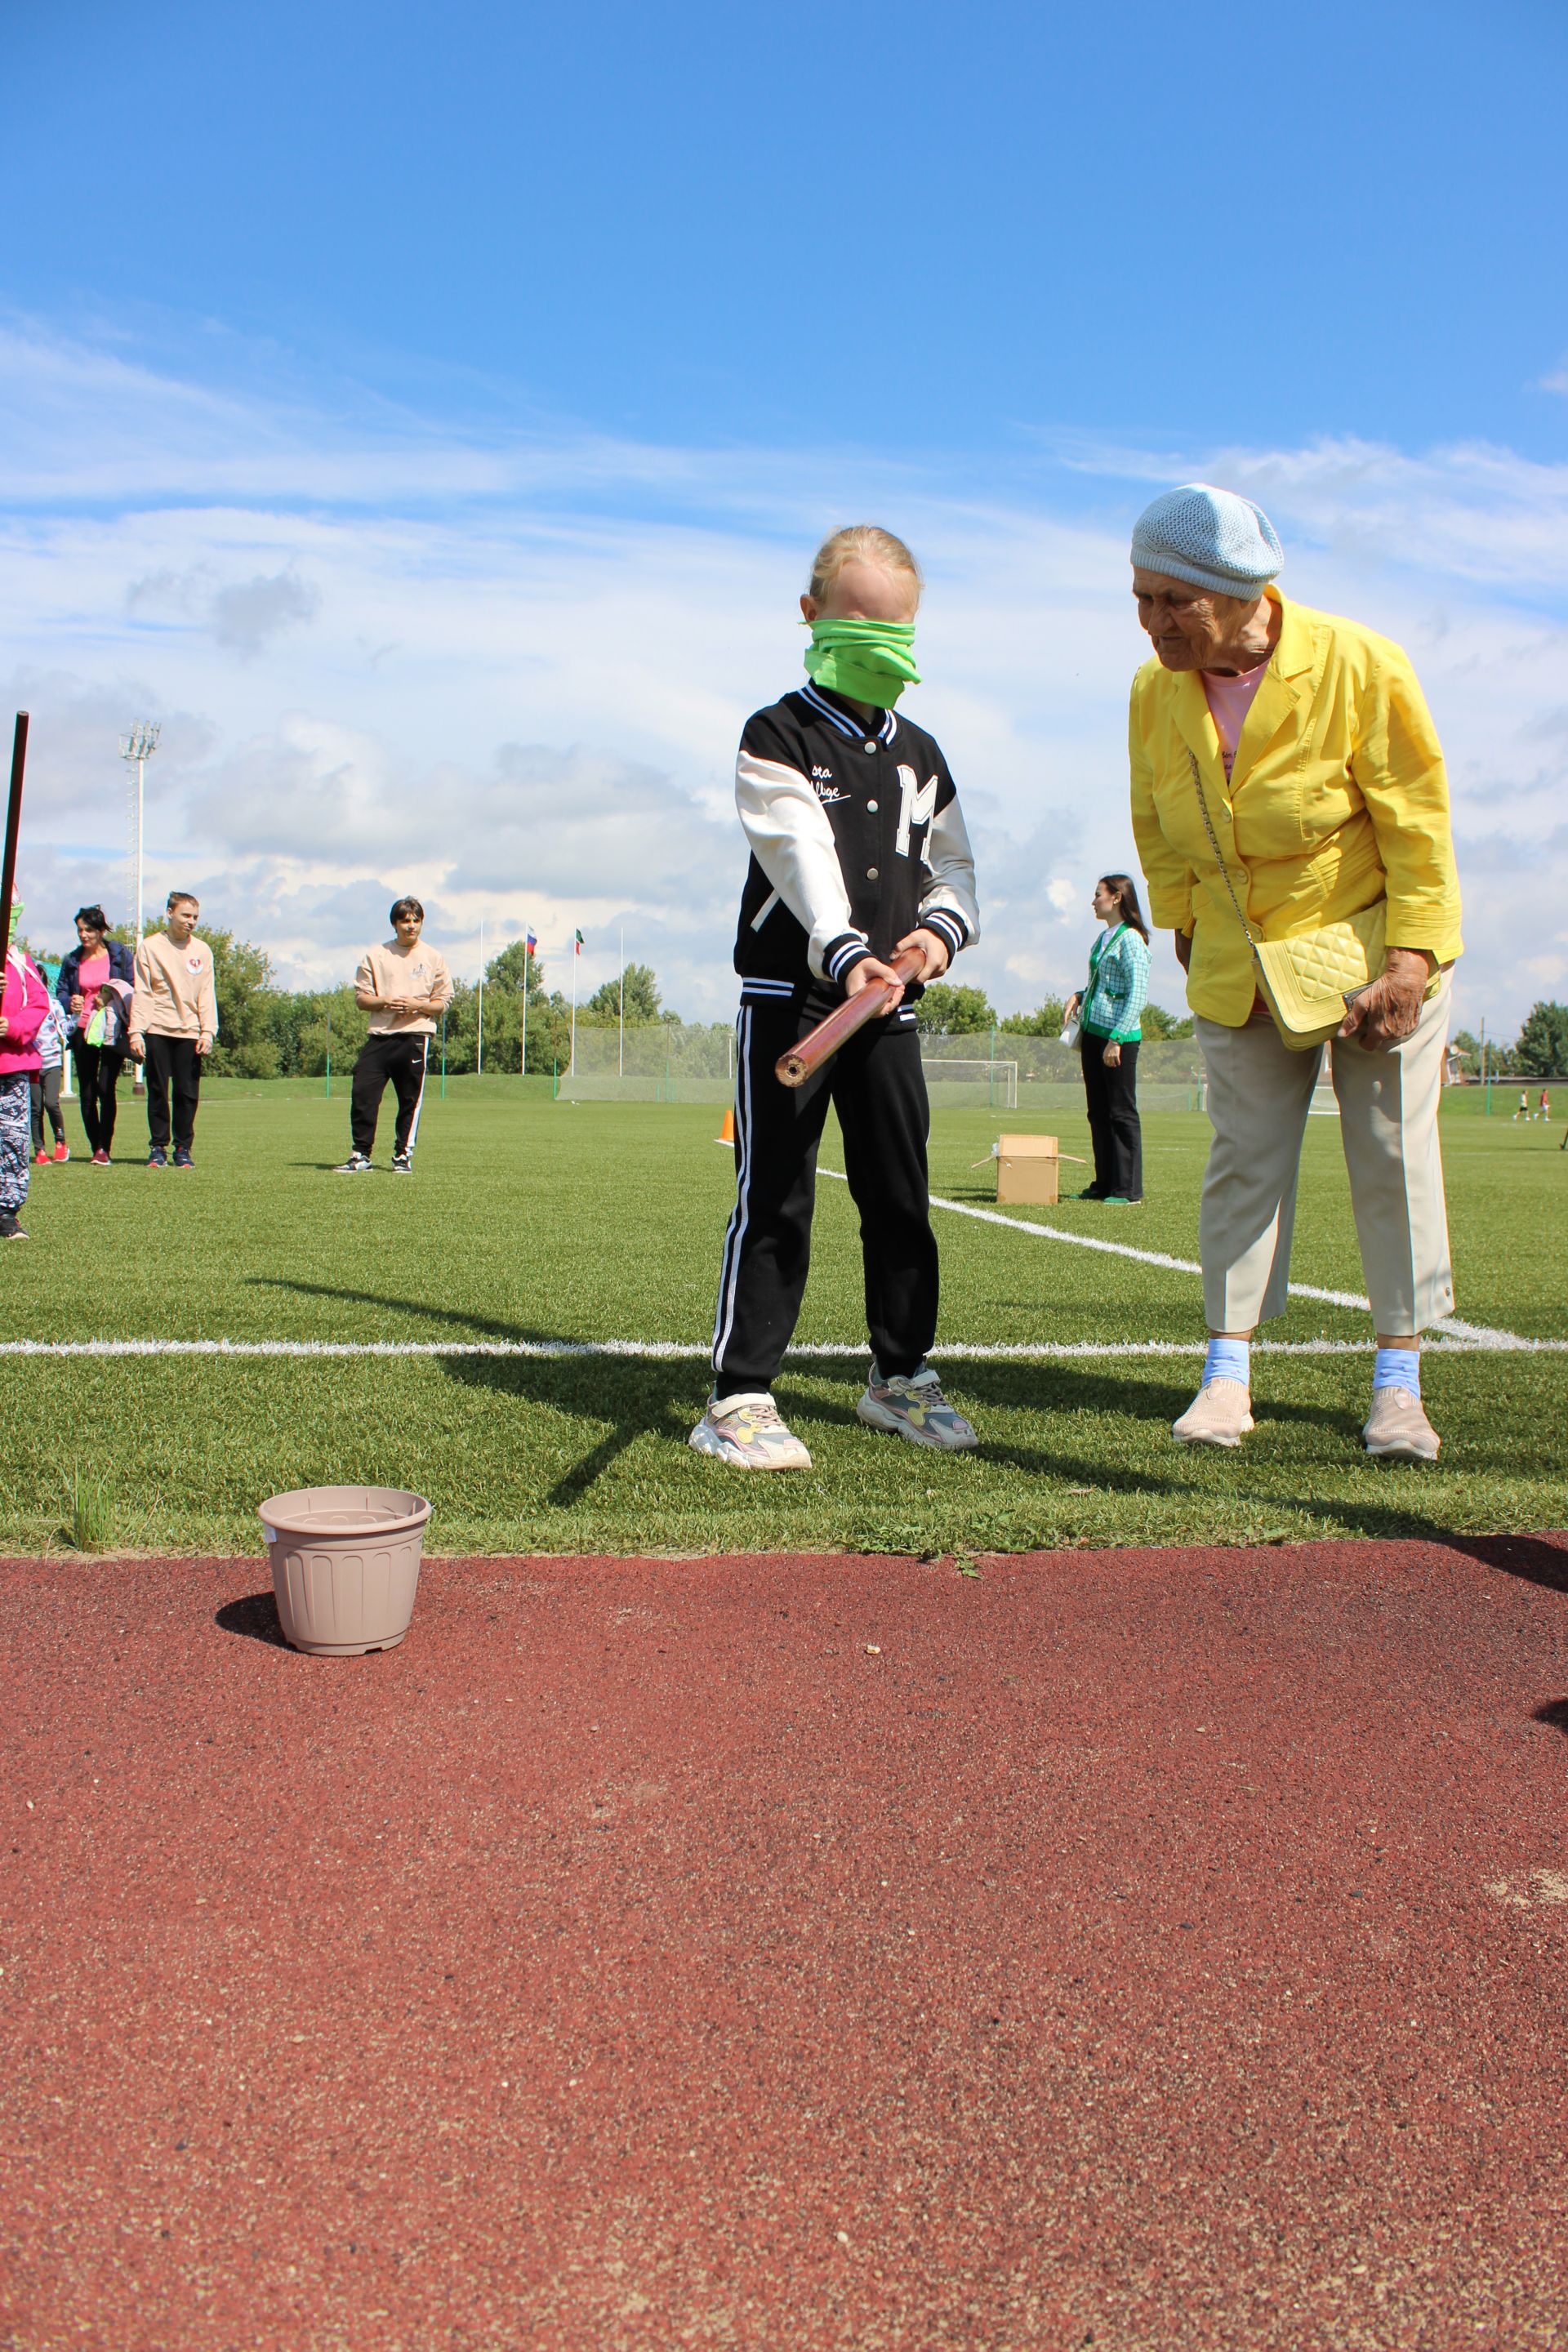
point(404, 986)
point(174, 1021)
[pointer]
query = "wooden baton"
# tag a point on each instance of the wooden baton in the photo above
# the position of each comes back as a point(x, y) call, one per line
point(820, 1044)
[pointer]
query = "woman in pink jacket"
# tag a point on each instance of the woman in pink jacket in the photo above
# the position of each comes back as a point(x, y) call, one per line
point(24, 1001)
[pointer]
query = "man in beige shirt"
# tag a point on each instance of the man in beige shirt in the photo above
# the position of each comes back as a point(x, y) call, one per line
point(174, 1021)
point(404, 986)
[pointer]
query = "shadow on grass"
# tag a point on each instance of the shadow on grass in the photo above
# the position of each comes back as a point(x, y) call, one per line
point(632, 1397)
point(639, 1396)
point(256, 1617)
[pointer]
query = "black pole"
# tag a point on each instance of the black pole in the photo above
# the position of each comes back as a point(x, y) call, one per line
point(13, 827)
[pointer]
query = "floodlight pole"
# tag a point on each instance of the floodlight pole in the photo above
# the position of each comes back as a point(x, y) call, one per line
point(136, 749)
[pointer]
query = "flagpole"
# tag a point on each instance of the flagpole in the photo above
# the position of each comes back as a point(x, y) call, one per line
point(622, 1065)
point(522, 1070)
point(479, 1058)
point(571, 1060)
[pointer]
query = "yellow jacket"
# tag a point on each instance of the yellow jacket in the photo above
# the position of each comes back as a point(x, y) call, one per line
point(1338, 795)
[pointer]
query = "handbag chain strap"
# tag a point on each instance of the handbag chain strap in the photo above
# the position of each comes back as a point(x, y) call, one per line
point(1214, 844)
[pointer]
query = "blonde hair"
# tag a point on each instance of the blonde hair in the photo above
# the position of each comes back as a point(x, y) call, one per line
point(861, 543)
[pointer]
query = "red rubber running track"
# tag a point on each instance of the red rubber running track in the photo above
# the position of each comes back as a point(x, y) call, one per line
point(1121, 1949)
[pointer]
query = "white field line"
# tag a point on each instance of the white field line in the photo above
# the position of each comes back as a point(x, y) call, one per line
point(1022, 1351)
point(1478, 1334)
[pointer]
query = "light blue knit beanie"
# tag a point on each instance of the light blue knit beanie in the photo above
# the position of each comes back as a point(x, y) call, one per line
point(1213, 538)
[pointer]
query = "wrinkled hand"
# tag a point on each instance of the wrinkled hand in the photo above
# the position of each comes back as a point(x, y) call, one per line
point(1184, 949)
point(934, 949)
point(1112, 1056)
point(1389, 1010)
point(869, 968)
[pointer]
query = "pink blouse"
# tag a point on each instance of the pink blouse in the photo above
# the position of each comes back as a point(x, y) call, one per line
point(1229, 700)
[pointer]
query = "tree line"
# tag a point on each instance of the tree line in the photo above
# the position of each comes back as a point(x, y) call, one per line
point(267, 1032)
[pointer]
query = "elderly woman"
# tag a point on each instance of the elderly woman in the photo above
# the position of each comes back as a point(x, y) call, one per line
point(1286, 775)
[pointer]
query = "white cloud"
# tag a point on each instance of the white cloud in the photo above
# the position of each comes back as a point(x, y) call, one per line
point(510, 676)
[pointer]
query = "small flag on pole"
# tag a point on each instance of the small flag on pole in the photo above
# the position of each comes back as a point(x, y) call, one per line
point(577, 938)
point(530, 944)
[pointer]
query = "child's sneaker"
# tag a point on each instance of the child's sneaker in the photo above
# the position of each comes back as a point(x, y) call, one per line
point(403, 1163)
point(43, 1160)
point(62, 1151)
point(10, 1231)
point(356, 1164)
point(747, 1432)
point(183, 1158)
point(157, 1157)
point(918, 1410)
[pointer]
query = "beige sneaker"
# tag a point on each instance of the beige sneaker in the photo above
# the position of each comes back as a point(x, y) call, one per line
point(1398, 1429)
point(1220, 1414)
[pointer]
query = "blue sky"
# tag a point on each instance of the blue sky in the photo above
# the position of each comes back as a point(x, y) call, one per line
point(427, 412)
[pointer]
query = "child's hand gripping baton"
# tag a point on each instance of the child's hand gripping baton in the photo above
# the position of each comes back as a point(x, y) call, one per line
point(820, 1044)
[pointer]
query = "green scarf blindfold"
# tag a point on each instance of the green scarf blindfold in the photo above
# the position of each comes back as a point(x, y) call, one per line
point(870, 661)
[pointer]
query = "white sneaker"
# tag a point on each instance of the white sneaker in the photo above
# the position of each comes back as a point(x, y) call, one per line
point(1220, 1414)
point(356, 1164)
point(1398, 1429)
point(747, 1432)
point(917, 1409)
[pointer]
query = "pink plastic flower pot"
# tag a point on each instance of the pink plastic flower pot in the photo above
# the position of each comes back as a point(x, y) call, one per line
point(345, 1566)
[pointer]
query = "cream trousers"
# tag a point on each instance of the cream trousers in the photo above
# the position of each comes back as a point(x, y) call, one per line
point(1258, 1096)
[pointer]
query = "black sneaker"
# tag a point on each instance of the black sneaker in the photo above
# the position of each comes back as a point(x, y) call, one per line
point(403, 1163)
point(356, 1164)
point(157, 1157)
point(183, 1159)
point(10, 1231)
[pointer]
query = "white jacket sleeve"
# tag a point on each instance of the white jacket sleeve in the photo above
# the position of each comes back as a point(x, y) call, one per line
point(948, 904)
point(793, 842)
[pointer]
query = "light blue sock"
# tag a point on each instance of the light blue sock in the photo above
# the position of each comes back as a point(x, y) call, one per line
point(1397, 1368)
point(1228, 1360)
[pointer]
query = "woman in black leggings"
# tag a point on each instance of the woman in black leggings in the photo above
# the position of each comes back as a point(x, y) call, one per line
point(83, 976)
point(1107, 1011)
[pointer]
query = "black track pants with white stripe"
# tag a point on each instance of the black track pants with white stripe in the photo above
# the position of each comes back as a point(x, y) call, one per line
point(401, 1059)
point(876, 1085)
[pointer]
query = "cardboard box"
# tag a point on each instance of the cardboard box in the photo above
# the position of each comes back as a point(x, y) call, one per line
point(1029, 1171)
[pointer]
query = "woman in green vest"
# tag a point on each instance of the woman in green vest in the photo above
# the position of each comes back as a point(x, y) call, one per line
point(1109, 1033)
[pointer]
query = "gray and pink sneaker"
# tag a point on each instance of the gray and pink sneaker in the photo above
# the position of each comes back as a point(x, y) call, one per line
point(748, 1434)
point(917, 1409)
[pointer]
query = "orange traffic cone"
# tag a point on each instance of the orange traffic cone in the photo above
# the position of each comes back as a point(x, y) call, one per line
point(727, 1132)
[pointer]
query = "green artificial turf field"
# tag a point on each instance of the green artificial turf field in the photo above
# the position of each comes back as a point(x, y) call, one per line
point(535, 1220)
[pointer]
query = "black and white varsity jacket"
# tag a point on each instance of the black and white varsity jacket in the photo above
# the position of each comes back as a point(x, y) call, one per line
point(856, 836)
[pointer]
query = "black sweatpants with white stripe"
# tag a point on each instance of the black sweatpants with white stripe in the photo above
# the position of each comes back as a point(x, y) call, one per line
point(877, 1086)
point(402, 1059)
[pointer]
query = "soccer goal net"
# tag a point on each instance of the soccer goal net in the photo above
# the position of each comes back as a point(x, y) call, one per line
point(971, 1082)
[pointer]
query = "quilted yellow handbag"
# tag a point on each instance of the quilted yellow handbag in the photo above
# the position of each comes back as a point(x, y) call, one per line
point(1308, 981)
